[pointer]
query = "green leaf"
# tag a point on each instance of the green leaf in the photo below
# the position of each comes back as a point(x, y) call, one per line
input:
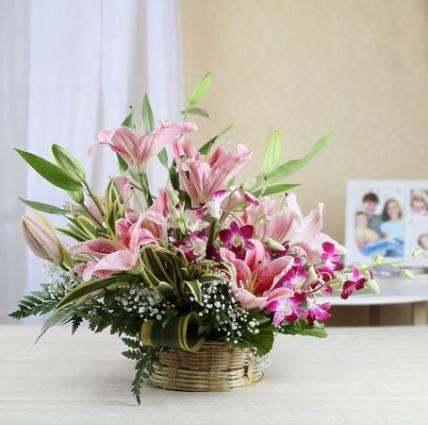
point(123, 166)
point(131, 342)
point(273, 153)
point(68, 163)
point(317, 331)
point(148, 118)
point(301, 327)
point(51, 172)
point(273, 188)
point(71, 234)
point(263, 341)
point(163, 158)
point(196, 111)
point(201, 89)
point(180, 332)
point(194, 287)
point(46, 208)
point(90, 288)
point(206, 148)
point(129, 120)
point(290, 167)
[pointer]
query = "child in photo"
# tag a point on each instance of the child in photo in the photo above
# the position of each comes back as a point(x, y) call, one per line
point(364, 235)
point(423, 243)
point(419, 204)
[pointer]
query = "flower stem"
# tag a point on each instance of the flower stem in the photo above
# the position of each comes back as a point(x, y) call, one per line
point(145, 186)
point(94, 198)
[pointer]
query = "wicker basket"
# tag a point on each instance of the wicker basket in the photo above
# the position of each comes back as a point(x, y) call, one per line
point(214, 367)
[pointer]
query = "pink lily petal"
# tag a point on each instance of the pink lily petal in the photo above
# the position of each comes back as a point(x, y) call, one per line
point(96, 247)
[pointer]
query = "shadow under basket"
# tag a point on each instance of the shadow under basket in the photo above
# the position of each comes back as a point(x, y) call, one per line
point(214, 367)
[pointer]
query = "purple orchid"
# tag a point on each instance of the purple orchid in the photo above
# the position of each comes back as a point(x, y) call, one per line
point(295, 278)
point(194, 247)
point(287, 308)
point(237, 237)
point(355, 283)
point(330, 258)
point(318, 312)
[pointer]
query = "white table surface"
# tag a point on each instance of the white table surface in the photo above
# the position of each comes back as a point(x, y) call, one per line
point(355, 376)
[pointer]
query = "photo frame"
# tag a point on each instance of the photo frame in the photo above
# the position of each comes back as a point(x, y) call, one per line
point(389, 218)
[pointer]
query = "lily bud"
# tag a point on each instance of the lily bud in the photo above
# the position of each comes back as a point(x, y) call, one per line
point(407, 274)
point(417, 252)
point(273, 244)
point(42, 240)
point(373, 286)
point(68, 163)
point(78, 196)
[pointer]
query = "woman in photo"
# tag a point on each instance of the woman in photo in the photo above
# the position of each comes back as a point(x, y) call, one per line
point(392, 227)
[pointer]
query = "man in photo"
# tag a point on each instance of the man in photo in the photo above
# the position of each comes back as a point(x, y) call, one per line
point(370, 203)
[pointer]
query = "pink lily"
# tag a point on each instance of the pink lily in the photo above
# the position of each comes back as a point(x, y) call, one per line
point(256, 276)
point(290, 227)
point(200, 178)
point(137, 149)
point(108, 257)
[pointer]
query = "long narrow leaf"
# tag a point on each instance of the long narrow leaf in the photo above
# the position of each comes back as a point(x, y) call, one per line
point(194, 110)
point(201, 89)
point(205, 149)
point(148, 118)
point(74, 235)
point(129, 120)
point(273, 153)
point(163, 158)
point(123, 166)
point(274, 188)
point(290, 167)
point(51, 172)
point(90, 288)
point(194, 287)
point(46, 208)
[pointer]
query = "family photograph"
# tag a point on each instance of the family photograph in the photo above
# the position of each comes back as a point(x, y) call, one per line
point(379, 226)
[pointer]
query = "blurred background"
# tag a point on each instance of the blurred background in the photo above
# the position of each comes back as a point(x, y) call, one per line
point(358, 69)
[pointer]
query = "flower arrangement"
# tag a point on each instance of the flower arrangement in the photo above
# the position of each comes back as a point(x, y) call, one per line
point(205, 259)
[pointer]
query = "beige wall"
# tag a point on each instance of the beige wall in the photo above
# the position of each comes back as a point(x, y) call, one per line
point(357, 67)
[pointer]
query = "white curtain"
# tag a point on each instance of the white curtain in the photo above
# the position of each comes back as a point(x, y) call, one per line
point(68, 69)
